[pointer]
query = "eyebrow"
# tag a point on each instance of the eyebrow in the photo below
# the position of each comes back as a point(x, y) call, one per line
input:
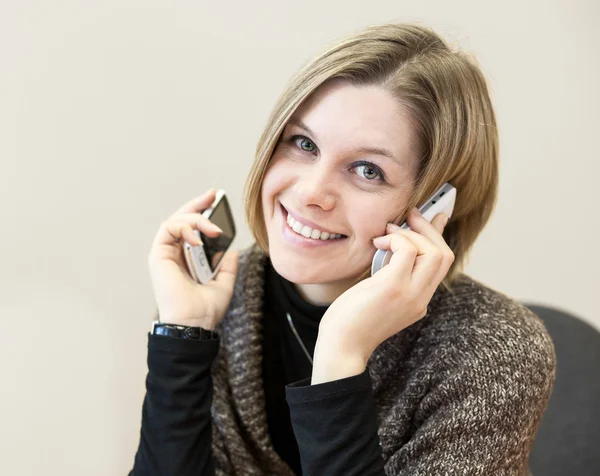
point(362, 150)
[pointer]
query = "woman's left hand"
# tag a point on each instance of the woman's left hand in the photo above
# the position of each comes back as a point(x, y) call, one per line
point(384, 304)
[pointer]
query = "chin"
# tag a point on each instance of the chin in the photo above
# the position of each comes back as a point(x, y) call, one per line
point(302, 273)
point(299, 273)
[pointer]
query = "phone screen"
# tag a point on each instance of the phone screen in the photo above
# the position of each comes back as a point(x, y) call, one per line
point(215, 247)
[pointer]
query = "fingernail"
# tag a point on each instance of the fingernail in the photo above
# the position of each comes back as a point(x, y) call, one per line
point(216, 228)
point(393, 226)
point(445, 222)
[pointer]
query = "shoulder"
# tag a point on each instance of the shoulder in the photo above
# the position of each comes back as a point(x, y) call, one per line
point(470, 333)
point(489, 317)
point(472, 378)
point(250, 273)
point(251, 259)
point(248, 288)
point(482, 328)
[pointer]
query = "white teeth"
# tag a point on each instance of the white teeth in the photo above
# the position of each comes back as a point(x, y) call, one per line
point(309, 232)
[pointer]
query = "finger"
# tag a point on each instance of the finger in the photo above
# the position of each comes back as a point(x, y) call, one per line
point(431, 231)
point(403, 258)
point(428, 260)
point(173, 231)
point(198, 204)
point(439, 222)
point(200, 222)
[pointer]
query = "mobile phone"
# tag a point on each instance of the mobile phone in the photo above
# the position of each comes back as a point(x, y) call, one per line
point(204, 261)
point(441, 201)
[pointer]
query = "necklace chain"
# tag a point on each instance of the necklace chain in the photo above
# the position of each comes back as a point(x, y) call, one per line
point(289, 318)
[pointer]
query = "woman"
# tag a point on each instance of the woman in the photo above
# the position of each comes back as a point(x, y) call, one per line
point(314, 367)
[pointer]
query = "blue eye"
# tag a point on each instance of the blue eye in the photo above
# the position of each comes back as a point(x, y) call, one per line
point(305, 143)
point(370, 171)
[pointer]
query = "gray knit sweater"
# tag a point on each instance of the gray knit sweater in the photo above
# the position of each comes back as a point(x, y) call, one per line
point(460, 392)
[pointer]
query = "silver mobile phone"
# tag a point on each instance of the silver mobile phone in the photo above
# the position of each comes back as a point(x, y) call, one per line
point(204, 261)
point(441, 201)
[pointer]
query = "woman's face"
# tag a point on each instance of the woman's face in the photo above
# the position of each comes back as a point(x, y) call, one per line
point(345, 164)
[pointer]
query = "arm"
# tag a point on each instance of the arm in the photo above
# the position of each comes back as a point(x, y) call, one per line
point(336, 426)
point(176, 432)
point(483, 396)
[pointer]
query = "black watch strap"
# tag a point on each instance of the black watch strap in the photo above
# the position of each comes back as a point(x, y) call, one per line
point(182, 332)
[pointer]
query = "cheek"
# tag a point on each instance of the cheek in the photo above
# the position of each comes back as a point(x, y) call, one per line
point(279, 172)
point(273, 182)
point(369, 221)
point(370, 225)
point(266, 186)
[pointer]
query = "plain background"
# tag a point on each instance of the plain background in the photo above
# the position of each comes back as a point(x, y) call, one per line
point(114, 113)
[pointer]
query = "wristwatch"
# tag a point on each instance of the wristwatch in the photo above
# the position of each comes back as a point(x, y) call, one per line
point(182, 332)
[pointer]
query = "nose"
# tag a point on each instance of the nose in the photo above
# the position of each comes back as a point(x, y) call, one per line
point(316, 187)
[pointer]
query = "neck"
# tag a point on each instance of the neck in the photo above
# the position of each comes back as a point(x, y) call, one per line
point(322, 294)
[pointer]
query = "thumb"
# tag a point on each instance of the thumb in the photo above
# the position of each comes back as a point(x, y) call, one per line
point(228, 270)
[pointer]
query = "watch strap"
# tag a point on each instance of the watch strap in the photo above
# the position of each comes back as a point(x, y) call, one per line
point(182, 332)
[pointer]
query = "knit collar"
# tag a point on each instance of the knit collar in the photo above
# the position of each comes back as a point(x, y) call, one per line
point(242, 347)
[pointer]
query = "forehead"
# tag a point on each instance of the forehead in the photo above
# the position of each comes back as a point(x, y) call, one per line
point(358, 115)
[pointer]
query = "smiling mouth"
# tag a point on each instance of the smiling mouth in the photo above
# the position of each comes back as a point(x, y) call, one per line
point(306, 231)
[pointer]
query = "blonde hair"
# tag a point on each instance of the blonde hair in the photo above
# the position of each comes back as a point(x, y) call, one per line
point(450, 108)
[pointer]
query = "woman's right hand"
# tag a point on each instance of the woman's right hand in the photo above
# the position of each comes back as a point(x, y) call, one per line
point(181, 299)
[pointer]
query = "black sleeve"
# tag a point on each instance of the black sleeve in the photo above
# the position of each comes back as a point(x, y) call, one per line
point(176, 433)
point(336, 427)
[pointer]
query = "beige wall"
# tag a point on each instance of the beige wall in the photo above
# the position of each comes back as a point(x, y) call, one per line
point(113, 113)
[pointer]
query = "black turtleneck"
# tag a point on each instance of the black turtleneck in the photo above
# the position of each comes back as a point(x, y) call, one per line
point(328, 428)
point(284, 361)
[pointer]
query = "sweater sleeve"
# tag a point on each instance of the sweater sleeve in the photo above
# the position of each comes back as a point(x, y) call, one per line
point(176, 431)
point(336, 427)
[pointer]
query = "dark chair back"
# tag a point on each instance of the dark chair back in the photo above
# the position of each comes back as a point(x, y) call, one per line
point(568, 440)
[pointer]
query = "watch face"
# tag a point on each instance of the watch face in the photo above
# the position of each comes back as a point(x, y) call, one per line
point(182, 332)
